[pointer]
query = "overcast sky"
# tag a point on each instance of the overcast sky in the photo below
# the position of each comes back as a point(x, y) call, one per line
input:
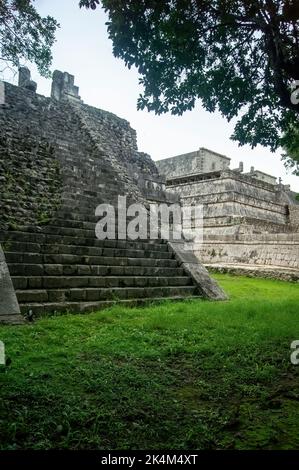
point(84, 50)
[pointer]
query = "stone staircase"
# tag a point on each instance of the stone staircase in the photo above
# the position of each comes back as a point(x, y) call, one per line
point(62, 267)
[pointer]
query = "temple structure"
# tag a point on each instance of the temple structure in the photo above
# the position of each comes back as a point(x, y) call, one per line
point(59, 160)
point(249, 218)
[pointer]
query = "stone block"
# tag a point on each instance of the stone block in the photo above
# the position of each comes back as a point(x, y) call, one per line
point(197, 272)
point(9, 307)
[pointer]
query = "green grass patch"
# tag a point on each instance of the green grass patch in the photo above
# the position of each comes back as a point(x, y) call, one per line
point(188, 375)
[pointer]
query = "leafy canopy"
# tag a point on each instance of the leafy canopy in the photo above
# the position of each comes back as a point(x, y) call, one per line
point(290, 143)
point(239, 57)
point(25, 35)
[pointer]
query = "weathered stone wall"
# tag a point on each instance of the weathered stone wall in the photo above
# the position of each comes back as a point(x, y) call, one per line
point(261, 176)
point(201, 161)
point(214, 228)
point(233, 195)
point(265, 272)
point(116, 141)
point(30, 180)
point(67, 155)
point(223, 182)
point(294, 215)
point(29, 123)
point(268, 249)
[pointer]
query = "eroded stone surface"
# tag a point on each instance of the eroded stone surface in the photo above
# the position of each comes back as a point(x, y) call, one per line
point(9, 307)
point(208, 287)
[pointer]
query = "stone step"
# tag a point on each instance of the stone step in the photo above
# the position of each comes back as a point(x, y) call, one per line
point(75, 224)
point(36, 239)
point(66, 230)
point(81, 224)
point(97, 294)
point(61, 231)
point(52, 282)
point(53, 308)
point(13, 320)
point(62, 252)
point(71, 215)
point(137, 250)
point(88, 201)
point(38, 271)
point(52, 229)
point(91, 200)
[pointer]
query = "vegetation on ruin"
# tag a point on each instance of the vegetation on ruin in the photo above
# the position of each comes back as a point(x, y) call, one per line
point(188, 375)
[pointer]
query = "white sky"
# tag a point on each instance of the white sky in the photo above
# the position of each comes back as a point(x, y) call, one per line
point(84, 50)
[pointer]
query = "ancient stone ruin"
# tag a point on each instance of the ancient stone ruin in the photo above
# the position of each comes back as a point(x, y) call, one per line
point(251, 221)
point(59, 159)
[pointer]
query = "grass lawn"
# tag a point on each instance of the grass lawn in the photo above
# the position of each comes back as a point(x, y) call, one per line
point(188, 375)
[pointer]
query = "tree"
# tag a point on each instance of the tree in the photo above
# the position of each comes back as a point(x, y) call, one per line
point(290, 144)
point(25, 35)
point(239, 57)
